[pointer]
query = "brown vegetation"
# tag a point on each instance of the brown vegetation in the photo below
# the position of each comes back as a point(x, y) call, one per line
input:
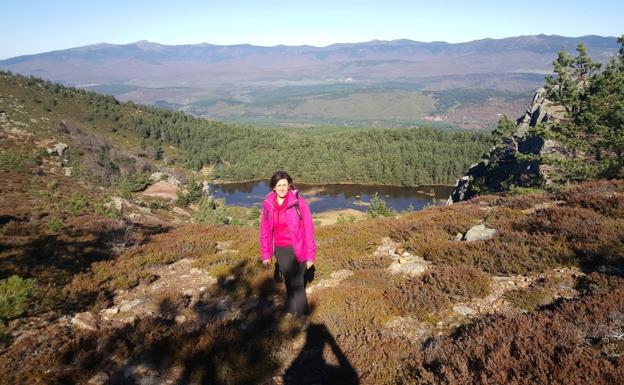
point(235, 333)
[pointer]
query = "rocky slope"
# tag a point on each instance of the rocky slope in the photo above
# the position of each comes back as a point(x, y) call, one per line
point(518, 160)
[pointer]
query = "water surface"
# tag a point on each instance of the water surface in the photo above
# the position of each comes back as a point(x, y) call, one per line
point(336, 196)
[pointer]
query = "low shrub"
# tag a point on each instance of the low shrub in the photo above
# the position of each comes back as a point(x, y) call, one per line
point(212, 212)
point(459, 282)
point(76, 204)
point(603, 196)
point(15, 293)
point(349, 309)
point(132, 183)
point(570, 344)
point(378, 357)
point(55, 225)
point(528, 299)
point(19, 161)
point(412, 297)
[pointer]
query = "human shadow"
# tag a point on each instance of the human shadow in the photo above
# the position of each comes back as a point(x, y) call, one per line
point(232, 338)
point(311, 367)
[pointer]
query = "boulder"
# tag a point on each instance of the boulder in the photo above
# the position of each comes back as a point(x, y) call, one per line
point(412, 268)
point(58, 149)
point(85, 321)
point(100, 378)
point(464, 310)
point(479, 233)
point(118, 203)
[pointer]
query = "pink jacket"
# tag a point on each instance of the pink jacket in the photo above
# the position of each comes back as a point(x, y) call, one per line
point(300, 226)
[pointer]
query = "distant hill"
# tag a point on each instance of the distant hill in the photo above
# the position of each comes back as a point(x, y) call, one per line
point(233, 82)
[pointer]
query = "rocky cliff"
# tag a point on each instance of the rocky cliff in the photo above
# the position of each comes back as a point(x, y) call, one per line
point(518, 160)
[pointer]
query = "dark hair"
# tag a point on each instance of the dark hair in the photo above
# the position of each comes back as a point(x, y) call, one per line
point(279, 175)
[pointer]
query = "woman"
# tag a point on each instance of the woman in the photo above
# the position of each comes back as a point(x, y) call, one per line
point(287, 231)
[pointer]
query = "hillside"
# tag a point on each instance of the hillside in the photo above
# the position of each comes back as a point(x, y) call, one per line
point(542, 299)
point(358, 81)
point(408, 157)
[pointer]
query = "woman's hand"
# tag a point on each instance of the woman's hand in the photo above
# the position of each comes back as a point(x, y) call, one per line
point(309, 264)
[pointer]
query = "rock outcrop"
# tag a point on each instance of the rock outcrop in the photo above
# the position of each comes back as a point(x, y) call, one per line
point(517, 160)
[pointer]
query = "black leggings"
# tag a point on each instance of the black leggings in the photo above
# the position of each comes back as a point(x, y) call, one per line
point(292, 270)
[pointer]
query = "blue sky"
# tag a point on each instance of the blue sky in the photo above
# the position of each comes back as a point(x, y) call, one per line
point(45, 25)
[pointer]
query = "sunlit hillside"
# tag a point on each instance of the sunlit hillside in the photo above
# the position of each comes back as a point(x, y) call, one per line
point(102, 284)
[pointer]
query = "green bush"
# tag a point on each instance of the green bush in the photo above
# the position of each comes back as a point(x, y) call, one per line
point(378, 208)
point(212, 211)
point(19, 161)
point(104, 207)
point(342, 219)
point(55, 225)
point(76, 204)
point(132, 183)
point(194, 194)
point(14, 295)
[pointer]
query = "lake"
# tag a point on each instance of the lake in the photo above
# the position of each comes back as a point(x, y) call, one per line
point(322, 198)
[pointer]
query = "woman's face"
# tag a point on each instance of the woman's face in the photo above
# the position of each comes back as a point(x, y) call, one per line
point(281, 188)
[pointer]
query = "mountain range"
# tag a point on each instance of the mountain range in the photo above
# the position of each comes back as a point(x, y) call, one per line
point(297, 83)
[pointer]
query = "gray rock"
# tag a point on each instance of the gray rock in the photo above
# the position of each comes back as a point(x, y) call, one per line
point(58, 149)
point(152, 380)
point(459, 237)
point(180, 319)
point(85, 321)
point(129, 305)
point(479, 233)
point(464, 310)
point(112, 311)
point(413, 269)
point(143, 369)
point(67, 171)
point(118, 202)
point(100, 378)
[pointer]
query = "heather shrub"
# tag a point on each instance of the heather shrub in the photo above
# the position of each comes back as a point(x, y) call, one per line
point(522, 200)
point(603, 196)
point(353, 249)
point(378, 357)
point(528, 299)
point(350, 309)
point(595, 238)
point(596, 282)
point(459, 282)
point(570, 344)
point(414, 298)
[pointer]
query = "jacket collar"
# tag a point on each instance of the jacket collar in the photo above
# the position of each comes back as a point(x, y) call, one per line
point(291, 199)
